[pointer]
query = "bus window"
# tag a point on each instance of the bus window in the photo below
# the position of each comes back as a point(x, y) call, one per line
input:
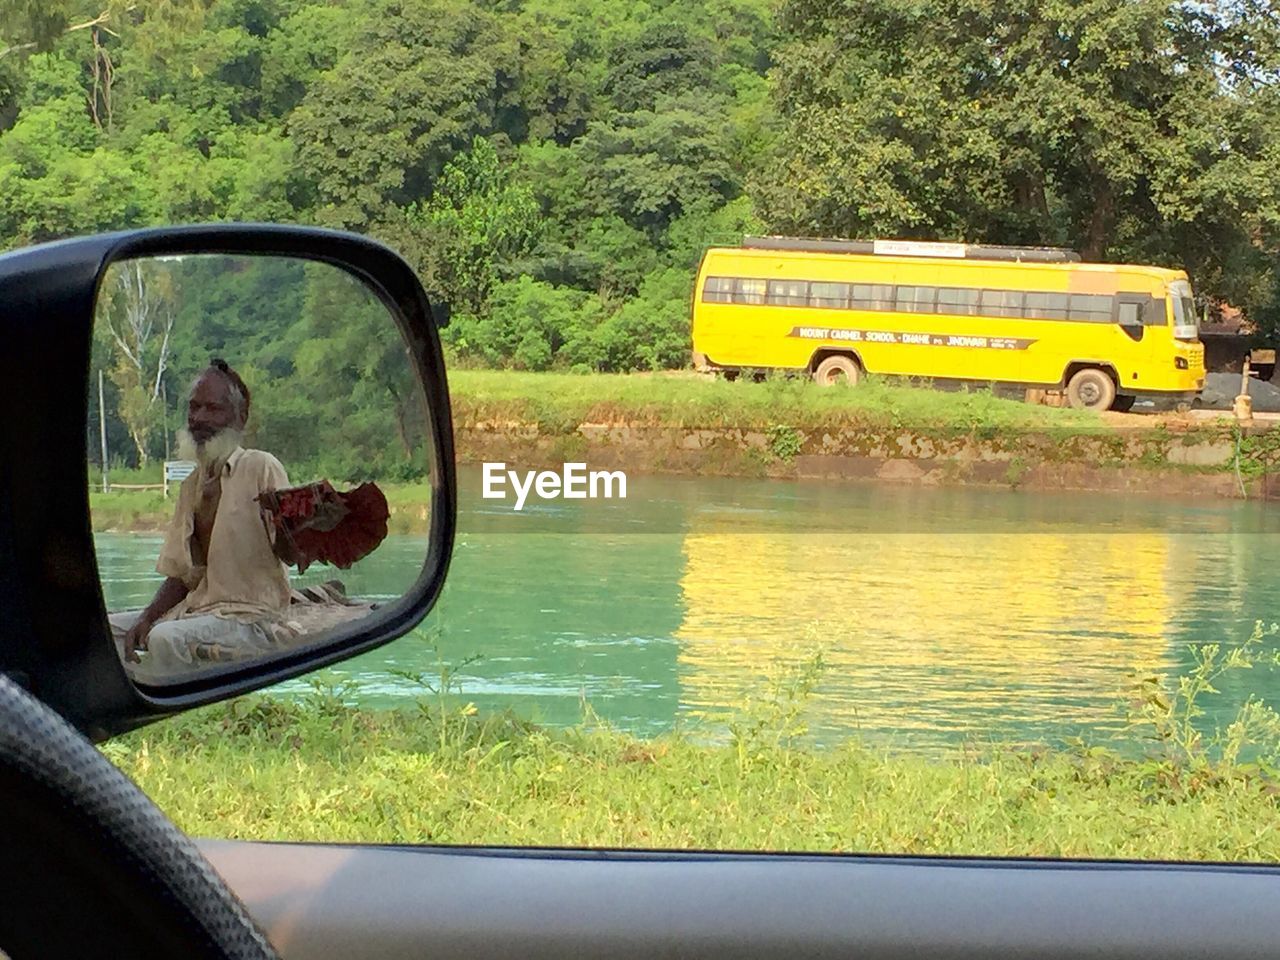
point(1001, 303)
point(1129, 317)
point(872, 296)
point(1046, 306)
point(828, 294)
point(915, 299)
point(1129, 314)
point(789, 293)
point(962, 301)
point(1186, 324)
point(749, 291)
point(718, 290)
point(1091, 308)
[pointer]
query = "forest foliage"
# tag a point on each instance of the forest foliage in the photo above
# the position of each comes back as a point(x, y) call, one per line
point(554, 170)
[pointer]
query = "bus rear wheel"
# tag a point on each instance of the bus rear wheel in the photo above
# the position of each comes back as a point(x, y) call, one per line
point(1091, 389)
point(836, 370)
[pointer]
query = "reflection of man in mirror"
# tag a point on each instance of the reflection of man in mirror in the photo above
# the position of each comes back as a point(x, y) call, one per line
point(226, 593)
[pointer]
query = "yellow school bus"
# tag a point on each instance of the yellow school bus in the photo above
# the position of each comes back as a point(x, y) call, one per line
point(1026, 316)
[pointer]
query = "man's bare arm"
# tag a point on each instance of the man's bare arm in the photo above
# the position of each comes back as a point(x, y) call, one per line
point(170, 594)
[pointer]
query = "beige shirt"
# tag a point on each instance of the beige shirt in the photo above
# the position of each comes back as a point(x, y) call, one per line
point(243, 580)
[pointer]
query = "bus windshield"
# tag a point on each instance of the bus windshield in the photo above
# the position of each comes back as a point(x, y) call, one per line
point(1186, 324)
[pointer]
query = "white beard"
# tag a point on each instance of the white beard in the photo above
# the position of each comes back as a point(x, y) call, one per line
point(213, 451)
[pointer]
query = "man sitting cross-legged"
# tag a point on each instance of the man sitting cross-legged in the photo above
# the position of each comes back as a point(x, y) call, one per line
point(226, 591)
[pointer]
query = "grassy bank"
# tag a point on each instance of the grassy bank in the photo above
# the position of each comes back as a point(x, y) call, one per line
point(324, 771)
point(879, 431)
point(696, 425)
point(559, 402)
point(147, 511)
point(270, 770)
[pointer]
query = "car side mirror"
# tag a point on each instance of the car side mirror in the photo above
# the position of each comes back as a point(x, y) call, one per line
point(230, 463)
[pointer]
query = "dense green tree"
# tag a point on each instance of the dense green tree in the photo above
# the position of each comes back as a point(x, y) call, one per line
point(555, 171)
point(708, 224)
point(650, 331)
point(528, 324)
point(306, 44)
point(666, 59)
point(558, 84)
point(654, 164)
point(35, 26)
point(136, 311)
point(357, 410)
point(1129, 129)
point(415, 85)
point(476, 223)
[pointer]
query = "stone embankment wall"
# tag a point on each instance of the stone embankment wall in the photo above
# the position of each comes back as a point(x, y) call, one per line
point(1205, 459)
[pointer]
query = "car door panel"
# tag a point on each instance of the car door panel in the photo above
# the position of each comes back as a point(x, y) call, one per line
point(386, 903)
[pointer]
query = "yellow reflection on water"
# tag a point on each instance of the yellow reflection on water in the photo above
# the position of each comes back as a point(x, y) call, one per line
point(937, 632)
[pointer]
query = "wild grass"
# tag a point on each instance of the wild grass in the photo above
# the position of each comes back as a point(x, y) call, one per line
point(147, 511)
point(130, 510)
point(559, 402)
point(150, 474)
point(321, 769)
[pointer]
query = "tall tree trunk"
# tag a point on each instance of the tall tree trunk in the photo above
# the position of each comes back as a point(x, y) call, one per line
point(1100, 221)
point(139, 441)
point(403, 431)
point(402, 428)
point(1039, 202)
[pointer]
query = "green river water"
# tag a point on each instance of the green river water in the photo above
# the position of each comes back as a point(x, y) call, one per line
point(944, 616)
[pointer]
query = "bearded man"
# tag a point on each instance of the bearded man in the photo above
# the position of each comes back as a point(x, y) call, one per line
point(226, 591)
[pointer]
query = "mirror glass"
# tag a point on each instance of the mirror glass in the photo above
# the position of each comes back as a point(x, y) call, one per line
point(258, 460)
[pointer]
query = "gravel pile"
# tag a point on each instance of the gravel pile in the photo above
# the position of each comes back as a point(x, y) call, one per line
point(1220, 391)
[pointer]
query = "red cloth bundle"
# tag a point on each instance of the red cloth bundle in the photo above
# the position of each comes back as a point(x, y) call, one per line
point(327, 526)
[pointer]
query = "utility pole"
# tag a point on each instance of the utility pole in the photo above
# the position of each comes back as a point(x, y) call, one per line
point(102, 427)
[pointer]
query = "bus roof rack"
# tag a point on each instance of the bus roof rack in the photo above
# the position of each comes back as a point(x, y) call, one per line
point(916, 248)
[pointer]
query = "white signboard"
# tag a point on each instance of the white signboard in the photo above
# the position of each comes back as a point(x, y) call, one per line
point(177, 470)
point(917, 248)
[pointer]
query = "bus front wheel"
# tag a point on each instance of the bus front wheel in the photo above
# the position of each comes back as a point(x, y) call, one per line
point(836, 370)
point(1091, 389)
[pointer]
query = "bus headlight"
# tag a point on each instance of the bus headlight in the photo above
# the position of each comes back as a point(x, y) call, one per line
point(1181, 363)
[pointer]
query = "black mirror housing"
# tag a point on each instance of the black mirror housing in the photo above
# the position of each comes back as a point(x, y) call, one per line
point(56, 641)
